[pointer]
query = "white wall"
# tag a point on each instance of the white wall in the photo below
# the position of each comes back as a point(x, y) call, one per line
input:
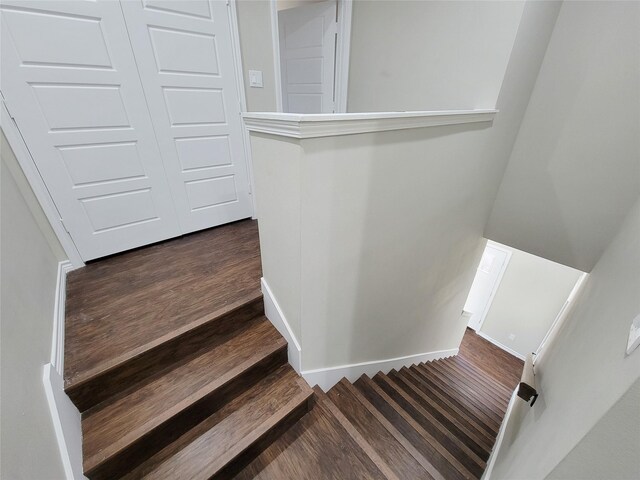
point(585, 370)
point(390, 224)
point(575, 168)
point(28, 271)
point(610, 449)
point(530, 296)
point(429, 55)
point(254, 24)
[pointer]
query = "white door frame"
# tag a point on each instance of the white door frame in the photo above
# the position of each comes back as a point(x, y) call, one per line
point(343, 50)
point(21, 151)
point(496, 285)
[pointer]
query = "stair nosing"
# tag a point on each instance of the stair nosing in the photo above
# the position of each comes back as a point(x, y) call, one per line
point(84, 378)
point(139, 432)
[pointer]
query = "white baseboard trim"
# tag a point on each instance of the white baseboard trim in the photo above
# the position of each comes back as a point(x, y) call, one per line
point(274, 313)
point(499, 345)
point(328, 377)
point(496, 447)
point(57, 342)
point(66, 423)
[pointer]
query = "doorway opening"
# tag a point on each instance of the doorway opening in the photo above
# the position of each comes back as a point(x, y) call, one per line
point(311, 42)
point(517, 300)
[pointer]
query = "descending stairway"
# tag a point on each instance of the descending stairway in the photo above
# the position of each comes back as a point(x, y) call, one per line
point(197, 395)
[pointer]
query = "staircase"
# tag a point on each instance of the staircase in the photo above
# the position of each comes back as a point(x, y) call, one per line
point(205, 391)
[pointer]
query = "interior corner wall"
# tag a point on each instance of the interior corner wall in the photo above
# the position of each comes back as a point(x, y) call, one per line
point(435, 55)
point(30, 256)
point(610, 449)
point(574, 171)
point(530, 296)
point(585, 371)
point(254, 25)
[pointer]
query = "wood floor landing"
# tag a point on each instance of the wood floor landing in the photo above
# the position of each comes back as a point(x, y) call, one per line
point(179, 375)
point(123, 305)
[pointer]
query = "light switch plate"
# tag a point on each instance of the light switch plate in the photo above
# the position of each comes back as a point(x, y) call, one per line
point(255, 79)
point(634, 335)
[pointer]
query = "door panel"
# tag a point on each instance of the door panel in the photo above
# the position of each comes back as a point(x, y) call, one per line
point(485, 284)
point(70, 81)
point(307, 57)
point(184, 55)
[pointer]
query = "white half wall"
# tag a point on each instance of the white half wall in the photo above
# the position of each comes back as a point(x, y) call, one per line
point(370, 241)
point(328, 377)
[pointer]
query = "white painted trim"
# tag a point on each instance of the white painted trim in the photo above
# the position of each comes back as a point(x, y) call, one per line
point(66, 423)
point(328, 377)
point(560, 318)
point(17, 144)
point(498, 344)
point(343, 51)
point(296, 125)
point(242, 95)
point(496, 285)
point(496, 447)
point(57, 341)
point(276, 316)
point(275, 45)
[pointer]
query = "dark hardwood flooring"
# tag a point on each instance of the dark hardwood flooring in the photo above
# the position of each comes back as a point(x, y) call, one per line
point(121, 306)
point(490, 360)
point(179, 375)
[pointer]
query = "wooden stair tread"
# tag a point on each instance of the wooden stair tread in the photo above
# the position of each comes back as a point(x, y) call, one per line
point(465, 388)
point(480, 444)
point(478, 384)
point(316, 447)
point(454, 445)
point(213, 444)
point(486, 377)
point(454, 392)
point(107, 379)
point(467, 421)
point(366, 447)
point(112, 427)
point(393, 448)
point(437, 454)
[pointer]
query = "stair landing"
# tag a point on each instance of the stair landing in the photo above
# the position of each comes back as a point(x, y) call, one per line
point(121, 306)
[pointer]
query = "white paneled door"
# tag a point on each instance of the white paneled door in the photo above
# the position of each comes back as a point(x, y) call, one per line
point(185, 57)
point(135, 144)
point(307, 57)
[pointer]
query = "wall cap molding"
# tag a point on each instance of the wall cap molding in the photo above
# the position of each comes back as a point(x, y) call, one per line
point(294, 125)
